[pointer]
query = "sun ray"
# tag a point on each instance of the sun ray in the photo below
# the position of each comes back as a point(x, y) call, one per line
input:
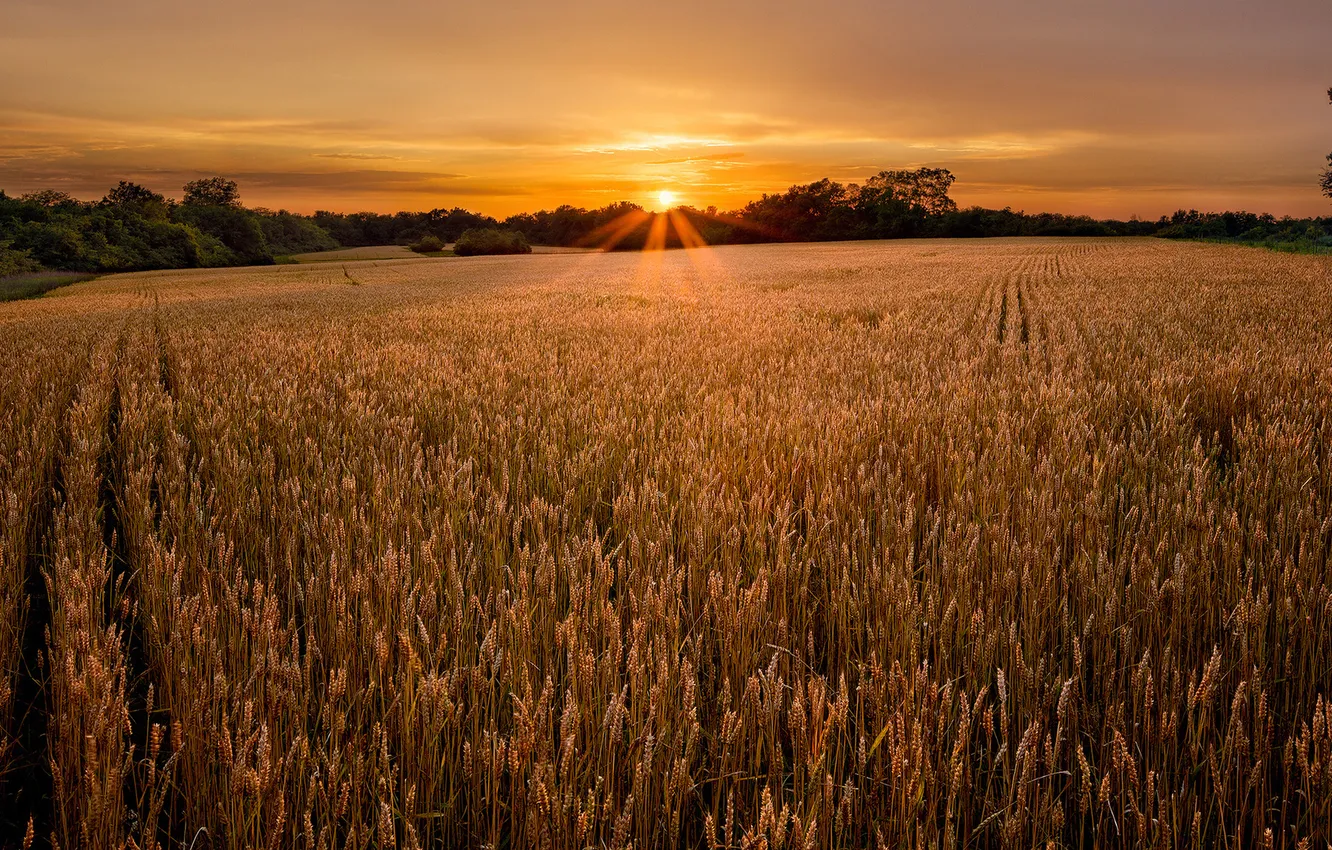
point(653, 257)
point(684, 228)
point(615, 231)
point(706, 264)
point(742, 224)
point(656, 240)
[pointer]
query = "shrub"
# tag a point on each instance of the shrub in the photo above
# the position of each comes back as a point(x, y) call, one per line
point(491, 241)
point(16, 262)
point(428, 244)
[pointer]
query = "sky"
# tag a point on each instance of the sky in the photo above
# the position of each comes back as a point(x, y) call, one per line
point(1136, 107)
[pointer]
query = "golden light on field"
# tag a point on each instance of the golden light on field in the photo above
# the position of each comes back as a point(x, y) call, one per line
point(991, 544)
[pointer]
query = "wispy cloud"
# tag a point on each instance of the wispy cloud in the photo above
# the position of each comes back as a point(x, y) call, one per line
point(715, 159)
point(362, 156)
point(533, 104)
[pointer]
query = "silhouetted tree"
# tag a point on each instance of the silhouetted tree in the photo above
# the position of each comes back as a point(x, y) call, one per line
point(1327, 175)
point(815, 211)
point(212, 192)
point(131, 198)
point(288, 233)
point(236, 228)
point(924, 190)
point(49, 198)
point(127, 194)
point(54, 245)
point(491, 240)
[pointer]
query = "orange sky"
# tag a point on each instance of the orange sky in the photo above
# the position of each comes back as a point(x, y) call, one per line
point(1133, 107)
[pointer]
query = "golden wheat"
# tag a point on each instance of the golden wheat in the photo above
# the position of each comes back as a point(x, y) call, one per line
point(916, 544)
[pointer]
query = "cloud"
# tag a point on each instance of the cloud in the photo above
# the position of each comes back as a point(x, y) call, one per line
point(715, 158)
point(364, 156)
point(532, 104)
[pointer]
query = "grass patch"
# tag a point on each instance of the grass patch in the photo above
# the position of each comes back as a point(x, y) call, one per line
point(1288, 246)
point(1293, 247)
point(37, 284)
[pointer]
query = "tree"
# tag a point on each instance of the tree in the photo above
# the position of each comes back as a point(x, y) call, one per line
point(56, 246)
point(212, 192)
point(801, 214)
point(16, 262)
point(48, 198)
point(490, 240)
point(127, 194)
point(1327, 175)
point(132, 199)
point(924, 190)
point(894, 204)
point(235, 228)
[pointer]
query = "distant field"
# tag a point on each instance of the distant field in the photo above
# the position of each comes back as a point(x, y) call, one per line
point(1015, 543)
point(397, 252)
point(376, 252)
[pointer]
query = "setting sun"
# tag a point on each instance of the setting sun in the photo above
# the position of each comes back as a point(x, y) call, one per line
point(666, 198)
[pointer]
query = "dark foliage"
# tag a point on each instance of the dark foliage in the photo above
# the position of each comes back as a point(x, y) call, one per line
point(1326, 182)
point(1313, 234)
point(288, 233)
point(890, 205)
point(212, 192)
point(14, 263)
point(490, 240)
point(355, 230)
point(135, 228)
point(428, 244)
point(238, 230)
point(569, 225)
point(50, 199)
point(131, 197)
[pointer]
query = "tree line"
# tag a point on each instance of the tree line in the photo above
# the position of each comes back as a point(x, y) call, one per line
point(135, 228)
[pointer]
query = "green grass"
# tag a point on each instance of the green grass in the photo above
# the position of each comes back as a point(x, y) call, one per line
point(37, 284)
point(1301, 247)
point(1287, 246)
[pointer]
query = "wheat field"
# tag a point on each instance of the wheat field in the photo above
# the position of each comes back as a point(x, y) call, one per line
point(916, 544)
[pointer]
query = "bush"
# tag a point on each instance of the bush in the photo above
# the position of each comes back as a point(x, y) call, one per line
point(16, 262)
point(490, 241)
point(428, 244)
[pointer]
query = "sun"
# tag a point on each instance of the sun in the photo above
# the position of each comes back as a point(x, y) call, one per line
point(667, 198)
